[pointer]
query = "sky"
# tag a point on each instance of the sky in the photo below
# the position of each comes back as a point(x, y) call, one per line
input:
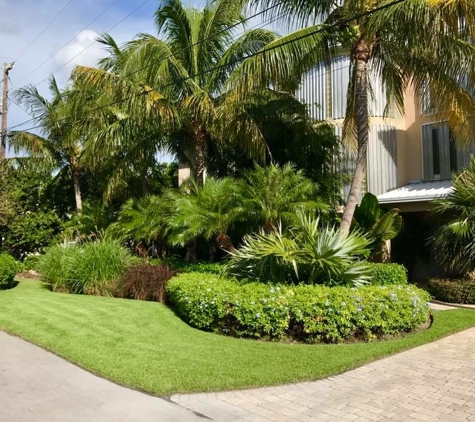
point(66, 41)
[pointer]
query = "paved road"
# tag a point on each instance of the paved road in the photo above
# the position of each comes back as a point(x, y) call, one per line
point(37, 386)
point(435, 382)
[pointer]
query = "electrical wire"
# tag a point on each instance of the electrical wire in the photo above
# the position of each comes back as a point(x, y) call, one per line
point(43, 31)
point(260, 52)
point(72, 39)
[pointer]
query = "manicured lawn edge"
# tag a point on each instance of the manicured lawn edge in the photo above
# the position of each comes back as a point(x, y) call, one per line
point(144, 346)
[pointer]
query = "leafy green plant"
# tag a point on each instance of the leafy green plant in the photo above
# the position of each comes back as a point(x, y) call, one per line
point(8, 269)
point(56, 267)
point(307, 252)
point(98, 266)
point(453, 291)
point(454, 242)
point(274, 193)
point(387, 274)
point(145, 281)
point(92, 268)
point(306, 313)
point(379, 225)
point(209, 211)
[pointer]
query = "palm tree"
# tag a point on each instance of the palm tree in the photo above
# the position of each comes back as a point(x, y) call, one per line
point(188, 63)
point(408, 44)
point(209, 211)
point(58, 147)
point(274, 193)
point(454, 242)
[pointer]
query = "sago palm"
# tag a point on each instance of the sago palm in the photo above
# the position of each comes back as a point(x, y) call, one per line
point(274, 193)
point(209, 211)
point(407, 44)
point(58, 145)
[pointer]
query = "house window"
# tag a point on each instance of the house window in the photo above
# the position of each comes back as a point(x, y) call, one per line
point(435, 151)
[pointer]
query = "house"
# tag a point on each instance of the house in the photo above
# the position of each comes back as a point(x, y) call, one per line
point(411, 158)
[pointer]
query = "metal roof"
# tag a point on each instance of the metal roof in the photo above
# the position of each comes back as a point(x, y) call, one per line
point(417, 192)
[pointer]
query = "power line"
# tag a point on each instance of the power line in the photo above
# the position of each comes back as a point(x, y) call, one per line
point(72, 39)
point(90, 45)
point(260, 52)
point(44, 30)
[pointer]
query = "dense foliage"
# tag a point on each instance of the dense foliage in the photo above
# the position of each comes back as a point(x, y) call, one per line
point(306, 313)
point(92, 268)
point(144, 281)
point(454, 241)
point(306, 252)
point(387, 274)
point(453, 291)
point(8, 269)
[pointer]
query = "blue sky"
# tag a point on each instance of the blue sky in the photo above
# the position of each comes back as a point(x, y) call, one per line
point(22, 20)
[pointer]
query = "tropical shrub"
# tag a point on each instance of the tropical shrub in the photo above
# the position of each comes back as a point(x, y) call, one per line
point(453, 291)
point(92, 268)
point(8, 269)
point(145, 282)
point(454, 242)
point(306, 252)
point(305, 313)
point(56, 267)
point(199, 267)
point(387, 274)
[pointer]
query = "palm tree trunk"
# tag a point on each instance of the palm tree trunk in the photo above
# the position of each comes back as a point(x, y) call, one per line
point(77, 191)
point(190, 255)
point(225, 243)
point(199, 153)
point(361, 55)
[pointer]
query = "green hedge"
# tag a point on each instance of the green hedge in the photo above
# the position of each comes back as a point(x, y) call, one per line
point(387, 274)
point(453, 291)
point(304, 313)
point(8, 269)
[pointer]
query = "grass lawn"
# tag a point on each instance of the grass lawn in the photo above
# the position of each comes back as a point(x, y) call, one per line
point(145, 346)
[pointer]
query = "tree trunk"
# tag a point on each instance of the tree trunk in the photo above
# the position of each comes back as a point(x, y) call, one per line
point(190, 255)
point(225, 243)
point(199, 138)
point(77, 191)
point(361, 55)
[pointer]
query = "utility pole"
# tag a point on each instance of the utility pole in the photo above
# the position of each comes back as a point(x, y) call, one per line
point(3, 147)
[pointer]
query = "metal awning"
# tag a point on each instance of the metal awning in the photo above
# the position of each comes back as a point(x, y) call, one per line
point(417, 192)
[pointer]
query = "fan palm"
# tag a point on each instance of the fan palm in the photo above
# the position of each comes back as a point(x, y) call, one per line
point(188, 63)
point(58, 147)
point(407, 44)
point(454, 242)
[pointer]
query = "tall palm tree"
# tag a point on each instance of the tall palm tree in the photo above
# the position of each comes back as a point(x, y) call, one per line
point(58, 145)
point(408, 44)
point(188, 63)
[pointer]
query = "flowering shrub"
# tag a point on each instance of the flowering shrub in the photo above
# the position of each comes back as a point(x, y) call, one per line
point(387, 274)
point(304, 313)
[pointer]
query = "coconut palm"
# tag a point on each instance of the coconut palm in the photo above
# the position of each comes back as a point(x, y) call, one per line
point(407, 44)
point(58, 145)
point(454, 242)
point(188, 63)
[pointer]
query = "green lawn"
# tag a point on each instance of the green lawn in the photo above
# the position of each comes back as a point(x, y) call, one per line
point(145, 346)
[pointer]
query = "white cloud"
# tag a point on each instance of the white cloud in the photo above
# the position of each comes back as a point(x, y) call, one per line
point(84, 50)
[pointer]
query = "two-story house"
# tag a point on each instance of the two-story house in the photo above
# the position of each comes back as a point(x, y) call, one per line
point(411, 158)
